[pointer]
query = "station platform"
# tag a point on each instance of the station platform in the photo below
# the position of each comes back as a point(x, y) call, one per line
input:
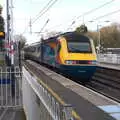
point(12, 114)
point(87, 104)
point(109, 65)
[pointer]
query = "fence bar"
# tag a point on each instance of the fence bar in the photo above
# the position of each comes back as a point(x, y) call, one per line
point(109, 58)
point(10, 87)
point(47, 102)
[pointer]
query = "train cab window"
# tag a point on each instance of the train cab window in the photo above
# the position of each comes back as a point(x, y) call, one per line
point(79, 47)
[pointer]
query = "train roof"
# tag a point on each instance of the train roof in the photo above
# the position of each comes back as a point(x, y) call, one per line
point(69, 36)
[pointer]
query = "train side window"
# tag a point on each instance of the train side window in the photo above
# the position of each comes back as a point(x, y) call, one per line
point(52, 52)
point(39, 49)
point(32, 49)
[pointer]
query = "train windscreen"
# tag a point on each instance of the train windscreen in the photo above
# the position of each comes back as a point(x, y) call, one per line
point(79, 47)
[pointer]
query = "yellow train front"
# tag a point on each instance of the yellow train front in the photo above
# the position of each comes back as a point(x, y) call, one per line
point(72, 54)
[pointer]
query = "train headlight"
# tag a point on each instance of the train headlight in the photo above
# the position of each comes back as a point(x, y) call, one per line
point(70, 62)
point(92, 62)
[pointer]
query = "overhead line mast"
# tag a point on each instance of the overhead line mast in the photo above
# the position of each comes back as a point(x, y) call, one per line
point(41, 13)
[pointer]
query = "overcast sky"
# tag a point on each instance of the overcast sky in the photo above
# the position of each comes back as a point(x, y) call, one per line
point(60, 15)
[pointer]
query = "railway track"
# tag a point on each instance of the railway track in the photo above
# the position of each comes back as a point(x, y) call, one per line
point(105, 82)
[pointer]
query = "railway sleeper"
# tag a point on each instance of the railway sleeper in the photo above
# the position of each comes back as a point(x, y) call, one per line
point(106, 82)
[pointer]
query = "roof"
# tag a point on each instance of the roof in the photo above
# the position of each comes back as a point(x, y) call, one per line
point(69, 36)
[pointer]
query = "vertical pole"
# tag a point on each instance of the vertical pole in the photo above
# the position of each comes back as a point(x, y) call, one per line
point(30, 26)
point(67, 112)
point(19, 55)
point(99, 41)
point(12, 52)
point(7, 35)
point(11, 43)
point(11, 33)
point(83, 19)
point(98, 30)
point(8, 18)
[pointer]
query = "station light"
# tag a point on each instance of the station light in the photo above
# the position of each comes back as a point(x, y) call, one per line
point(2, 35)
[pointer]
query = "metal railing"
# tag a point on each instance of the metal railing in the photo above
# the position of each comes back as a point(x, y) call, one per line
point(10, 87)
point(50, 106)
point(109, 58)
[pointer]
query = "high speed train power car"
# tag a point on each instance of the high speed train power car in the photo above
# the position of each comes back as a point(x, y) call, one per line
point(71, 53)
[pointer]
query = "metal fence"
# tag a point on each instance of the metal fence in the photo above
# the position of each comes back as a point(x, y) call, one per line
point(109, 58)
point(10, 87)
point(46, 105)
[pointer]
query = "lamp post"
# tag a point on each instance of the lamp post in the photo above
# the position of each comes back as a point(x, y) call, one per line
point(99, 35)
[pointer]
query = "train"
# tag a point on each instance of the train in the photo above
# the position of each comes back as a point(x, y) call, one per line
point(70, 53)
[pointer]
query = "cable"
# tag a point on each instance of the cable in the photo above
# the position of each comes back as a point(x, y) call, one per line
point(108, 14)
point(41, 13)
point(90, 11)
point(86, 13)
point(44, 11)
point(44, 25)
point(93, 10)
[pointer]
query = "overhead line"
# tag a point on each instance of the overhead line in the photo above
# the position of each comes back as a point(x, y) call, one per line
point(93, 10)
point(108, 14)
point(90, 11)
point(44, 11)
point(100, 17)
point(44, 26)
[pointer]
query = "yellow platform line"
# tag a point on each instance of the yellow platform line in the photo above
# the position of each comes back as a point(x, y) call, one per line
point(74, 113)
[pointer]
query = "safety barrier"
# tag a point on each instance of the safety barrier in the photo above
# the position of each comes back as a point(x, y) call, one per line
point(10, 87)
point(109, 58)
point(40, 103)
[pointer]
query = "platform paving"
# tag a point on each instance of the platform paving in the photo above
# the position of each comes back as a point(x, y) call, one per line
point(83, 107)
point(109, 65)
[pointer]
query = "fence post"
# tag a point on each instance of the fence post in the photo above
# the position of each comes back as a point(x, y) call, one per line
point(67, 112)
point(13, 80)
